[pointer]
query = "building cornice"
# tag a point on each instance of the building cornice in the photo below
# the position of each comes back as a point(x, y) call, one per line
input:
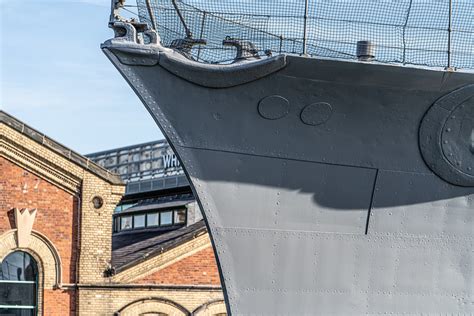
point(20, 144)
point(8, 121)
point(115, 286)
point(29, 160)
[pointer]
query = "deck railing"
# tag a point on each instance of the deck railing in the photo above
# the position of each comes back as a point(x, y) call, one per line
point(437, 33)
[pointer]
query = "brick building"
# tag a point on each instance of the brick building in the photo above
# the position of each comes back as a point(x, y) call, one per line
point(56, 250)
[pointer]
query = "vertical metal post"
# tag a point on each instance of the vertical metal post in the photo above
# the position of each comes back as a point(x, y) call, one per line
point(405, 30)
point(202, 30)
point(181, 18)
point(281, 43)
point(151, 14)
point(449, 32)
point(305, 26)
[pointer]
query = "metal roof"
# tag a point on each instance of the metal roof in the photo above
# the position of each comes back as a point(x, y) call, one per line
point(159, 205)
point(139, 249)
point(146, 167)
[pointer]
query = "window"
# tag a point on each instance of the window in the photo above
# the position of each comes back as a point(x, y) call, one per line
point(139, 221)
point(123, 170)
point(126, 222)
point(116, 224)
point(180, 216)
point(123, 207)
point(123, 159)
point(18, 285)
point(152, 219)
point(166, 218)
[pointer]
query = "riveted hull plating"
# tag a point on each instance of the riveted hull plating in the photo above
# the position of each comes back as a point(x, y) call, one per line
point(315, 190)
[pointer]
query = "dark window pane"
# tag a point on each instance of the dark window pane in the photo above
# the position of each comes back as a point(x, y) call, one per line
point(23, 294)
point(18, 266)
point(117, 224)
point(17, 312)
point(18, 281)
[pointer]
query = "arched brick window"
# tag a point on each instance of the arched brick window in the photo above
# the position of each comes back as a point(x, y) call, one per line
point(155, 306)
point(18, 284)
point(212, 308)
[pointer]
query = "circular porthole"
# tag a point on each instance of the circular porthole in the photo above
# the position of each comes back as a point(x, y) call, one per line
point(98, 202)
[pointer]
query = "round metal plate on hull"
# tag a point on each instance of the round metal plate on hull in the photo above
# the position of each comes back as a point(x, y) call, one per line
point(273, 107)
point(447, 137)
point(458, 137)
point(316, 113)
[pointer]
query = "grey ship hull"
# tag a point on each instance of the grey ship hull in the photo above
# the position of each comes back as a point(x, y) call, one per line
point(314, 180)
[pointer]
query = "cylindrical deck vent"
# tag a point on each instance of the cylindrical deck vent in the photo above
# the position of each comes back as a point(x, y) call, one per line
point(365, 50)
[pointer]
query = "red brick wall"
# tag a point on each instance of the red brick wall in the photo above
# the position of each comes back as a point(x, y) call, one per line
point(59, 303)
point(197, 269)
point(56, 218)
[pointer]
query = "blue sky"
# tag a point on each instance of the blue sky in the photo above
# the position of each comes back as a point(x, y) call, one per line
point(54, 77)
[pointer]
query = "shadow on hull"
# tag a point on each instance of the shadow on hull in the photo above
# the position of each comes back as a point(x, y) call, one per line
point(320, 192)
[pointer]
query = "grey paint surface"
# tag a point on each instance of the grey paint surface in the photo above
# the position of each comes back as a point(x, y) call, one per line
point(328, 210)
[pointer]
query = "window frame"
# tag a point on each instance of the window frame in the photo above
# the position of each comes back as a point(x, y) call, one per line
point(158, 220)
point(185, 222)
point(119, 219)
point(172, 218)
point(126, 229)
point(144, 221)
point(33, 308)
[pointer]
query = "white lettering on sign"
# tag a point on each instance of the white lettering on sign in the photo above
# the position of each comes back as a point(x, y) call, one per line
point(170, 161)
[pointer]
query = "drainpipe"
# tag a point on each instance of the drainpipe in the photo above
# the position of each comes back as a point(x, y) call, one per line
point(79, 225)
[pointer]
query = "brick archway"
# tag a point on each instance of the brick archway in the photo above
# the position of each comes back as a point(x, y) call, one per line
point(211, 308)
point(153, 305)
point(45, 255)
point(42, 250)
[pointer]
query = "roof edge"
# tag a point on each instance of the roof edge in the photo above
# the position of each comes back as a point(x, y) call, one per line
point(168, 245)
point(59, 149)
point(114, 150)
